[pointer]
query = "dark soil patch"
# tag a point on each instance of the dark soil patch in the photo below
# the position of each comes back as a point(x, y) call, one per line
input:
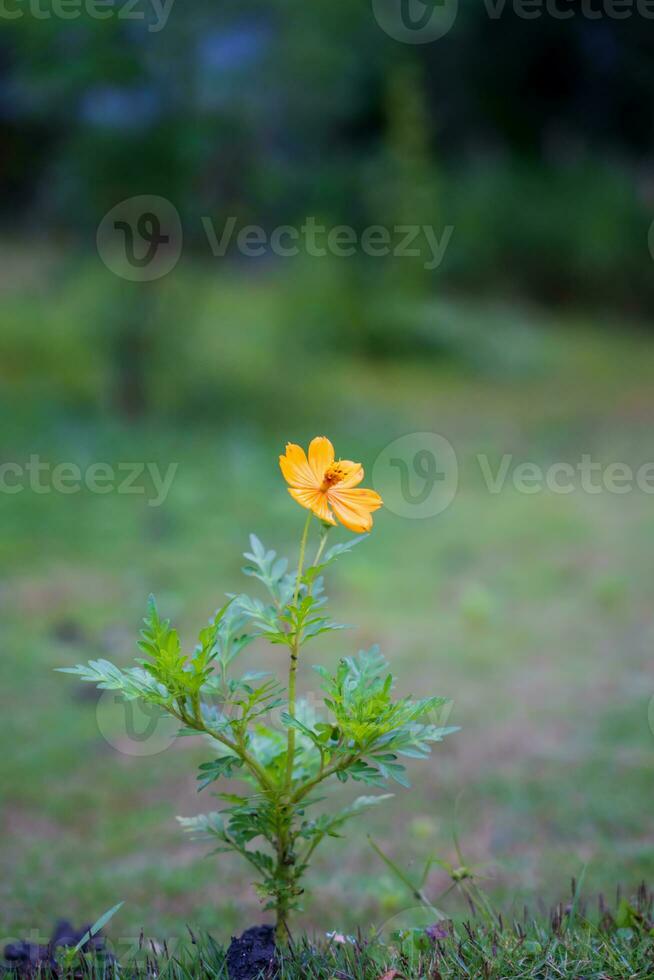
point(25, 959)
point(253, 955)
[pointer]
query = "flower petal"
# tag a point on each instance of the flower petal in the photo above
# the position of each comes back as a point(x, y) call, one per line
point(296, 469)
point(353, 474)
point(321, 456)
point(354, 507)
point(314, 501)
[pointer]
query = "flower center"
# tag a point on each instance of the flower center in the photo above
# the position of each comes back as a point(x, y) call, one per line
point(333, 474)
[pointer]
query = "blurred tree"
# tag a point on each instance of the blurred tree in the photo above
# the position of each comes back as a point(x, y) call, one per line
point(279, 111)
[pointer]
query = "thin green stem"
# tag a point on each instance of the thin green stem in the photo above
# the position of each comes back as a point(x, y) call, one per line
point(322, 775)
point(303, 548)
point(324, 531)
point(295, 650)
point(198, 724)
point(417, 893)
point(304, 858)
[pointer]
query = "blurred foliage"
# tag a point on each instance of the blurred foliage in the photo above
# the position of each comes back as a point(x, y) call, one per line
point(195, 344)
point(532, 137)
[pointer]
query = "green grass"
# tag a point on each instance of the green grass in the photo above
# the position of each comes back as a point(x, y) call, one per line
point(606, 945)
point(532, 612)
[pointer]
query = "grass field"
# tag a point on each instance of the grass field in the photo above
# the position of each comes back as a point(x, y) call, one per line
point(532, 611)
point(570, 945)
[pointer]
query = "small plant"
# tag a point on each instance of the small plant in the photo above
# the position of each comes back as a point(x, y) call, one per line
point(361, 732)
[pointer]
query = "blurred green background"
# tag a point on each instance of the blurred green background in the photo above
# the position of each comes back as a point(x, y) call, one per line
point(532, 139)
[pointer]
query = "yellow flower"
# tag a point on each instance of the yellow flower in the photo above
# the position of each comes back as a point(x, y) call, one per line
point(322, 485)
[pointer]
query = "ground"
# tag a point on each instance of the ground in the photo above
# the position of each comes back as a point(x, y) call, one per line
point(532, 611)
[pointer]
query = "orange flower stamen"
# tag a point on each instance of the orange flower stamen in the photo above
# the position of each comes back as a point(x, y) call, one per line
point(333, 475)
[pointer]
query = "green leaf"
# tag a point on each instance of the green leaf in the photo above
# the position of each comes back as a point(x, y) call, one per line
point(327, 825)
point(167, 664)
point(271, 572)
point(95, 928)
point(361, 804)
point(371, 722)
point(204, 825)
point(291, 722)
point(263, 617)
point(132, 683)
point(221, 767)
point(229, 633)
